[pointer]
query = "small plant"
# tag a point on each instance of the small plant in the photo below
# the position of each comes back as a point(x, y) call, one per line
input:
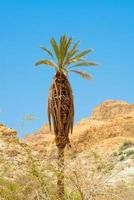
point(122, 157)
point(123, 152)
point(130, 152)
point(127, 144)
point(120, 152)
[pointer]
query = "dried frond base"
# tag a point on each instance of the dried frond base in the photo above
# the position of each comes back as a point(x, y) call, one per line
point(61, 109)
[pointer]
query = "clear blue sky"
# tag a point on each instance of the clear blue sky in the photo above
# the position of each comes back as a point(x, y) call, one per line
point(107, 26)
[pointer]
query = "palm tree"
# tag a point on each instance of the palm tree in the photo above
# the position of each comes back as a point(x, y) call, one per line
point(64, 59)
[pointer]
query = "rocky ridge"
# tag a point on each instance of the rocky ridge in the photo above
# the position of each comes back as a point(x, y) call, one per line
point(109, 119)
point(111, 109)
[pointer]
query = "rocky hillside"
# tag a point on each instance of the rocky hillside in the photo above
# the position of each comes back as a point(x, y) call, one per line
point(109, 119)
point(102, 153)
point(13, 153)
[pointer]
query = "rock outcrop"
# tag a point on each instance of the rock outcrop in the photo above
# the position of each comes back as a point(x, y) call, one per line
point(7, 132)
point(111, 109)
point(13, 153)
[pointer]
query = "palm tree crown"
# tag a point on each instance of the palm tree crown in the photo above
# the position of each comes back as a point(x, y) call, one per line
point(66, 58)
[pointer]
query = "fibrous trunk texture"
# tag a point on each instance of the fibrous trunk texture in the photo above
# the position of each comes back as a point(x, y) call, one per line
point(61, 109)
point(61, 112)
point(60, 180)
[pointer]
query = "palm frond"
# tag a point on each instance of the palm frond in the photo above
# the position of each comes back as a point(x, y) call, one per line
point(63, 41)
point(75, 45)
point(83, 53)
point(74, 50)
point(64, 46)
point(82, 74)
point(47, 62)
point(47, 50)
point(71, 53)
point(68, 46)
point(55, 48)
point(84, 64)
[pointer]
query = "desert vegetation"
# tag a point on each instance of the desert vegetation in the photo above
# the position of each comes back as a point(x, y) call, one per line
point(39, 182)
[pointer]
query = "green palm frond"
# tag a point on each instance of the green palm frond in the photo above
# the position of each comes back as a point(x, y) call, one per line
point(55, 48)
point(64, 46)
point(75, 46)
point(82, 74)
point(47, 62)
point(71, 53)
point(74, 50)
point(67, 46)
point(84, 63)
point(47, 50)
point(80, 55)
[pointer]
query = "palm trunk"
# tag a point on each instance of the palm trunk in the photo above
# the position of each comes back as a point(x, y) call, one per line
point(60, 178)
point(61, 114)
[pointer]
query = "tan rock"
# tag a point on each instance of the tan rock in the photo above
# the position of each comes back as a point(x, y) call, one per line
point(111, 109)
